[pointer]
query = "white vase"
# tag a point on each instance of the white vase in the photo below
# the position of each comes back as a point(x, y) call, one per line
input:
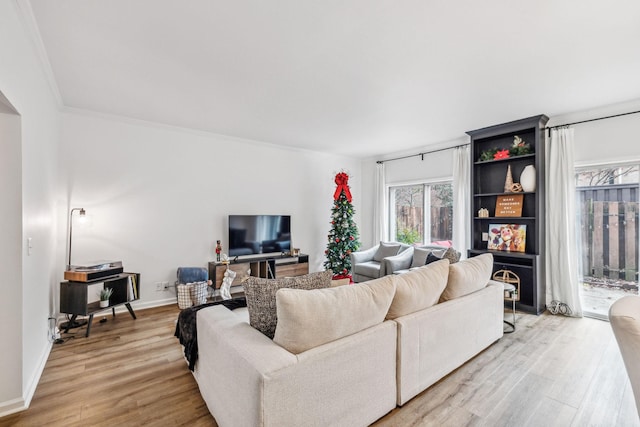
point(528, 178)
point(104, 303)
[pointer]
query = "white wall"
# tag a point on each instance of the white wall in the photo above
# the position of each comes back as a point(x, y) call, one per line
point(10, 254)
point(26, 304)
point(605, 141)
point(158, 197)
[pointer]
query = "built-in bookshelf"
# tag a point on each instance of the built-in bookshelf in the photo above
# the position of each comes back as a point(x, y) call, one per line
point(496, 170)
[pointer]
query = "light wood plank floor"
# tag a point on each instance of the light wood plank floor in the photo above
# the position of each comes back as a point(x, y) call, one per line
point(553, 371)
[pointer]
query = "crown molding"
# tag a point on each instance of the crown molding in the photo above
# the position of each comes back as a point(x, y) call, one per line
point(25, 12)
point(224, 138)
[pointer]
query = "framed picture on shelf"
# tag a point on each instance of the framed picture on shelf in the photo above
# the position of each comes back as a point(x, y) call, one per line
point(507, 237)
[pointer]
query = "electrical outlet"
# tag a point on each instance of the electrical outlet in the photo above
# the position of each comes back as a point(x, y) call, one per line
point(159, 287)
point(165, 286)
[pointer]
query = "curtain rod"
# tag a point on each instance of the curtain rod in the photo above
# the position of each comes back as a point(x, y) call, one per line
point(593, 120)
point(462, 145)
point(421, 154)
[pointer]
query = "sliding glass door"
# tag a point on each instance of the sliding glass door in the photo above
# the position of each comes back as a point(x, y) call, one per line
point(609, 234)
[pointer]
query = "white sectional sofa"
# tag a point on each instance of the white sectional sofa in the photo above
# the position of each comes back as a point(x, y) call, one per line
point(348, 355)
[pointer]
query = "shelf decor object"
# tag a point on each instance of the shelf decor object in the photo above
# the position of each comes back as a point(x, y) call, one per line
point(508, 181)
point(519, 207)
point(509, 205)
point(528, 178)
point(519, 147)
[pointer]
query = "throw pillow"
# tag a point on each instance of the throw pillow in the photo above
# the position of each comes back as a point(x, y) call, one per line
point(307, 319)
point(420, 256)
point(452, 255)
point(432, 258)
point(419, 288)
point(198, 292)
point(386, 250)
point(468, 276)
point(261, 296)
point(184, 296)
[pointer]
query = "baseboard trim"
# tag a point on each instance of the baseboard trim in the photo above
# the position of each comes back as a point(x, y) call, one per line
point(11, 407)
point(18, 405)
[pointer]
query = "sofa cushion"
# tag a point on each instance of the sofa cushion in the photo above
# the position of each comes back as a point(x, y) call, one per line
point(386, 250)
point(307, 319)
point(419, 288)
point(367, 268)
point(468, 276)
point(261, 296)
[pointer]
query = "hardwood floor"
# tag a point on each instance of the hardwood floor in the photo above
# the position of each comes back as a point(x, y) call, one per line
point(553, 371)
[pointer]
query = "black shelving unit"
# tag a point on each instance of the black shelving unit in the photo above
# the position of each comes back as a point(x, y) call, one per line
point(487, 183)
point(76, 300)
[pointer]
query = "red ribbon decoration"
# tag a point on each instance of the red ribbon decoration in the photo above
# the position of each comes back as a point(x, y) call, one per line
point(341, 181)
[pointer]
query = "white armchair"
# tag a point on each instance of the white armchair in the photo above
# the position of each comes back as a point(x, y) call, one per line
point(624, 316)
point(369, 264)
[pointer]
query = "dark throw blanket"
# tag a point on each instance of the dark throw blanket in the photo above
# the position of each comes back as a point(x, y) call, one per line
point(186, 327)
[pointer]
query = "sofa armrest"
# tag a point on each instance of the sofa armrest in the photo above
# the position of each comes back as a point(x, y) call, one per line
point(248, 380)
point(233, 360)
point(495, 283)
point(402, 261)
point(363, 256)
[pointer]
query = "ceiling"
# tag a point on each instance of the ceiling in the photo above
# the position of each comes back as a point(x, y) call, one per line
point(355, 77)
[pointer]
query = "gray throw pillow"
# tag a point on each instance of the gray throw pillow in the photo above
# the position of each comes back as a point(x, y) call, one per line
point(386, 250)
point(420, 257)
point(261, 296)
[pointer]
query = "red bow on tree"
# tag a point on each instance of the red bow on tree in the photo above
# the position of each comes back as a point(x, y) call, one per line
point(341, 181)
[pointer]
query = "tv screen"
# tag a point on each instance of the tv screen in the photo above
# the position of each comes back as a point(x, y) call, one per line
point(259, 234)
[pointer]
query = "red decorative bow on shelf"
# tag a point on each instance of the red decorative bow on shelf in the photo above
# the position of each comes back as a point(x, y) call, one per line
point(341, 181)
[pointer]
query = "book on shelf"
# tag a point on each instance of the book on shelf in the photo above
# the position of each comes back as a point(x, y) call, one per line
point(132, 287)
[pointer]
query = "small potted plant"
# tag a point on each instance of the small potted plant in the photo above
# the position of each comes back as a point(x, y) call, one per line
point(105, 294)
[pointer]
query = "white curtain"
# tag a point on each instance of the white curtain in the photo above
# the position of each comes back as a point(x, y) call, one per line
point(380, 212)
point(461, 195)
point(563, 293)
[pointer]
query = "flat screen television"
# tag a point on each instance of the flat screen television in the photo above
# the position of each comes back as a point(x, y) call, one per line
point(259, 234)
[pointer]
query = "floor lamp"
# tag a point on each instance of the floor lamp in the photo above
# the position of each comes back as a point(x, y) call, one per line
point(76, 323)
point(83, 214)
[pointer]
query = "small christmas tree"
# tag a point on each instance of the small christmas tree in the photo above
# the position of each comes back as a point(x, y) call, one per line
point(343, 237)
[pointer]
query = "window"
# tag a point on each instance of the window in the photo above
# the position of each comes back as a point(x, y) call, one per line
point(421, 213)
